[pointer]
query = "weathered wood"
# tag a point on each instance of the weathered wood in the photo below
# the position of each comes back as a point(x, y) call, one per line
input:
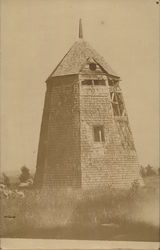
point(69, 154)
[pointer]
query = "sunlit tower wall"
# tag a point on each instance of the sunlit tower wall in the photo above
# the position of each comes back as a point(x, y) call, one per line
point(85, 139)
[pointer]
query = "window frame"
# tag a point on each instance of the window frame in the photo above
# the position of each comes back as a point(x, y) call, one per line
point(85, 80)
point(102, 140)
point(103, 81)
point(100, 80)
point(92, 66)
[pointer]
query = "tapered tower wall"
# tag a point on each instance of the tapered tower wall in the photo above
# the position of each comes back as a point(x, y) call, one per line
point(42, 147)
point(112, 162)
point(58, 161)
point(85, 138)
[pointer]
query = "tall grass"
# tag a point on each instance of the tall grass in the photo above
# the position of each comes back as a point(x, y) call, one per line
point(49, 209)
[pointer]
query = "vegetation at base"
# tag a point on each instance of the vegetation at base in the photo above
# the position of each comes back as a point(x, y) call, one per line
point(25, 174)
point(83, 214)
point(6, 180)
point(149, 171)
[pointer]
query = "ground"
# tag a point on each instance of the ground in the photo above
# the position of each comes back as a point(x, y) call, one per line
point(117, 215)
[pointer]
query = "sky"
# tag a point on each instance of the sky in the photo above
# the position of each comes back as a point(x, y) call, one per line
point(36, 34)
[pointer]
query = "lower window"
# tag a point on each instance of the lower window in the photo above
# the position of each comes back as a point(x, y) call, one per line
point(98, 133)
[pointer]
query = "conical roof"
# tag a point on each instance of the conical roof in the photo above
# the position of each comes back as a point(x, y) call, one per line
point(76, 57)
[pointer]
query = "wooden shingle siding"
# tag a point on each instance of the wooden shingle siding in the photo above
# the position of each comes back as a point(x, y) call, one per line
point(109, 162)
point(76, 58)
point(69, 153)
point(61, 162)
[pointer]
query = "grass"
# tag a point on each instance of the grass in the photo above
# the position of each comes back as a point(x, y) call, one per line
point(76, 214)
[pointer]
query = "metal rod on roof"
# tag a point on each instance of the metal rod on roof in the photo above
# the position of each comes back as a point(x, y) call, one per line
point(80, 29)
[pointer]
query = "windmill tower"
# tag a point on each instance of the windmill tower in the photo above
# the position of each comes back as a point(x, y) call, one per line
point(85, 139)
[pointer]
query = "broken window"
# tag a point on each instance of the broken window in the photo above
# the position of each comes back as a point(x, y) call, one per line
point(117, 103)
point(99, 82)
point(99, 134)
point(87, 82)
point(94, 82)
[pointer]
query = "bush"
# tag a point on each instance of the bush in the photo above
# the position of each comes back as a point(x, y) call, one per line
point(25, 174)
point(6, 180)
point(147, 171)
point(150, 171)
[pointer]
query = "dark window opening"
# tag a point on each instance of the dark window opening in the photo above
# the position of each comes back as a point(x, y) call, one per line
point(87, 82)
point(92, 66)
point(117, 104)
point(96, 82)
point(99, 134)
point(99, 82)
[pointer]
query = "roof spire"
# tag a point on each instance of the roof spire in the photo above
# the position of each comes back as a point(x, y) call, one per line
point(80, 29)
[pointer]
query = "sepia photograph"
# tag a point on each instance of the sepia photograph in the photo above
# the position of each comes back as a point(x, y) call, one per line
point(79, 119)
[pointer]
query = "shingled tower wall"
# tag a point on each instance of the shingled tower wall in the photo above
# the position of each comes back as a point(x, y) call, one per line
point(85, 138)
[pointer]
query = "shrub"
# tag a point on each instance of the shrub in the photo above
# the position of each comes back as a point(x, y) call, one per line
point(25, 174)
point(150, 171)
point(6, 180)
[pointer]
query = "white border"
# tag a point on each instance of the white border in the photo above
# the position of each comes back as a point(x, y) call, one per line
point(45, 244)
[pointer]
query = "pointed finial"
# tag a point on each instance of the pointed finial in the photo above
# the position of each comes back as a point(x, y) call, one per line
point(80, 29)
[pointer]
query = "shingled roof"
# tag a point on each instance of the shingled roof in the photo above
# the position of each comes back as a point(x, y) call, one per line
point(76, 57)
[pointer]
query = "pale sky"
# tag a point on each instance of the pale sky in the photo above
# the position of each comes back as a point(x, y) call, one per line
point(35, 35)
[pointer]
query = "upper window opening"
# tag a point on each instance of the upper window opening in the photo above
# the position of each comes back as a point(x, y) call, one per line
point(87, 82)
point(95, 82)
point(99, 134)
point(92, 66)
point(99, 82)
